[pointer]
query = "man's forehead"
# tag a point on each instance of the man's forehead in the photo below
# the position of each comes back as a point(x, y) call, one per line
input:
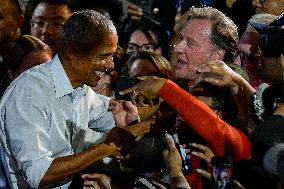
point(197, 26)
point(6, 7)
point(52, 10)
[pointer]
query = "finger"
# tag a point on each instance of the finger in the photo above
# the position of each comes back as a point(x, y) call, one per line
point(129, 90)
point(135, 12)
point(235, 89)
point(204, 173)
point(89, 182)
point(151, 104)
point(143, 77)
point(170, 142)
point(214, 81)
point(199, 146)
point(199, 154)
point(94, 176)
point(141, 101)
point(129, 106)
point(133, 98)
point(160, 185)
point(133, 6)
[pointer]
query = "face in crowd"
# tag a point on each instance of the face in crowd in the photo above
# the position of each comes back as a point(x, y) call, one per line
point(275, 7)
point(10, 21)
point(139, 42)
point(47, 22)
point(194, 48)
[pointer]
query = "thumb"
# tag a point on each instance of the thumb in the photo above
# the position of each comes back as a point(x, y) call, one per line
point(129, 90)
point(203, 173)
point(234, 88)
point(170, 142)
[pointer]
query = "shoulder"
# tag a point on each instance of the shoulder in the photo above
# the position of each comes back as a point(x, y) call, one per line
point(35, 81)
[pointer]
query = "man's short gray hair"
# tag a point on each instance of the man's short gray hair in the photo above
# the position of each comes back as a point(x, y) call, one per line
point(86, 28)
point(224, 33)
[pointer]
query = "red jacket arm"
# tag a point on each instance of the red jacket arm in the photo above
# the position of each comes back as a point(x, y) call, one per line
point(218, 135)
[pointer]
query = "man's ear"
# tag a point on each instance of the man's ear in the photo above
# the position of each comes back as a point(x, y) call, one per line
point(21, 20)
point(70, 50)
point(12, 75)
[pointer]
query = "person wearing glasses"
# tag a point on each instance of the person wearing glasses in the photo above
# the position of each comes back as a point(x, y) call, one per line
point(145, 35)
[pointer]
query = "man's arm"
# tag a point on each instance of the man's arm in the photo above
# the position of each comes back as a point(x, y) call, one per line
point(173, 162)
point(217, 133)
point(218, 73)
point(65, 167)
point(118, 140)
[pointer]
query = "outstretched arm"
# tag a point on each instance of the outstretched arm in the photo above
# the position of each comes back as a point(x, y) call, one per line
point(219, 135)
point(118, 140)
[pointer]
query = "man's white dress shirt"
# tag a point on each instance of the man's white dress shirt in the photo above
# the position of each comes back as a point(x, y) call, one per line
point(43, 117)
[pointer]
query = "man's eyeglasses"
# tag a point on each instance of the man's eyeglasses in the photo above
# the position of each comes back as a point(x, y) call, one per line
point(148, 47)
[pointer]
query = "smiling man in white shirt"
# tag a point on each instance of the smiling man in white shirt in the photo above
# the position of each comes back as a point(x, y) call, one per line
point(52, 123)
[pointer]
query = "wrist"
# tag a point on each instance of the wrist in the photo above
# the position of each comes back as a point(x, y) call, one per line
point(175, 173)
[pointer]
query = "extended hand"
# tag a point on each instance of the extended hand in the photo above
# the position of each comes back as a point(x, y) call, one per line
point(172, 157)
point(135, 11)
point(96, 181)
point(124, 112)
point(218, 73)
point(125, 138)
point(147, 89)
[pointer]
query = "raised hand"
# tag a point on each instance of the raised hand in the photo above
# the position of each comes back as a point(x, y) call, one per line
point(218, 73)
point(96, 181)
point(204, 152)
point(124, 112)
point(147, 89)
point(125, 138)
point(135, 11)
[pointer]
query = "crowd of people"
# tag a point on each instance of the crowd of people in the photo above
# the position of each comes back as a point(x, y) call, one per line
point(142, 94)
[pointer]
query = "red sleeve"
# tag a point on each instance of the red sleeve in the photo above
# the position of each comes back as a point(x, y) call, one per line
point(218, 135)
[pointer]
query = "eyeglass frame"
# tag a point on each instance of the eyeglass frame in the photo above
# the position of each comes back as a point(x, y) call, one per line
point(138, 47)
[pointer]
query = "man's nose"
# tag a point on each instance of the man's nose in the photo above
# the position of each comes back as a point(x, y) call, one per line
point(178, 48)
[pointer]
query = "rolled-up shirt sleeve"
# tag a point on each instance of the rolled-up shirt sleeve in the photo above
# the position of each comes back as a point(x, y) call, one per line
point(28, 132)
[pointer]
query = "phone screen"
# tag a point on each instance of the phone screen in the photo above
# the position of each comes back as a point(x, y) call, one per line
point(222, 172)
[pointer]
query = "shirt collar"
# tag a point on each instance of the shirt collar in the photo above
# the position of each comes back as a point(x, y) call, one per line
point(62, 84)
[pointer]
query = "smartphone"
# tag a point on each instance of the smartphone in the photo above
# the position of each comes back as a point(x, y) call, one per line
point(222, 173)
point(124, 83)
point(186, 164)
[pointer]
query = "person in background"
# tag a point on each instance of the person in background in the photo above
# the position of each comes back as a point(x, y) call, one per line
point(205, 35)
point(23, 53)
point(115, 10)
point(145, 35)
point(163, 11)
point(11, 20)
point(47, 21)
point(273, 161)
point(265, 105)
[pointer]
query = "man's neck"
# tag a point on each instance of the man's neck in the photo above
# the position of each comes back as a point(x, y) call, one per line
point(69, 70)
